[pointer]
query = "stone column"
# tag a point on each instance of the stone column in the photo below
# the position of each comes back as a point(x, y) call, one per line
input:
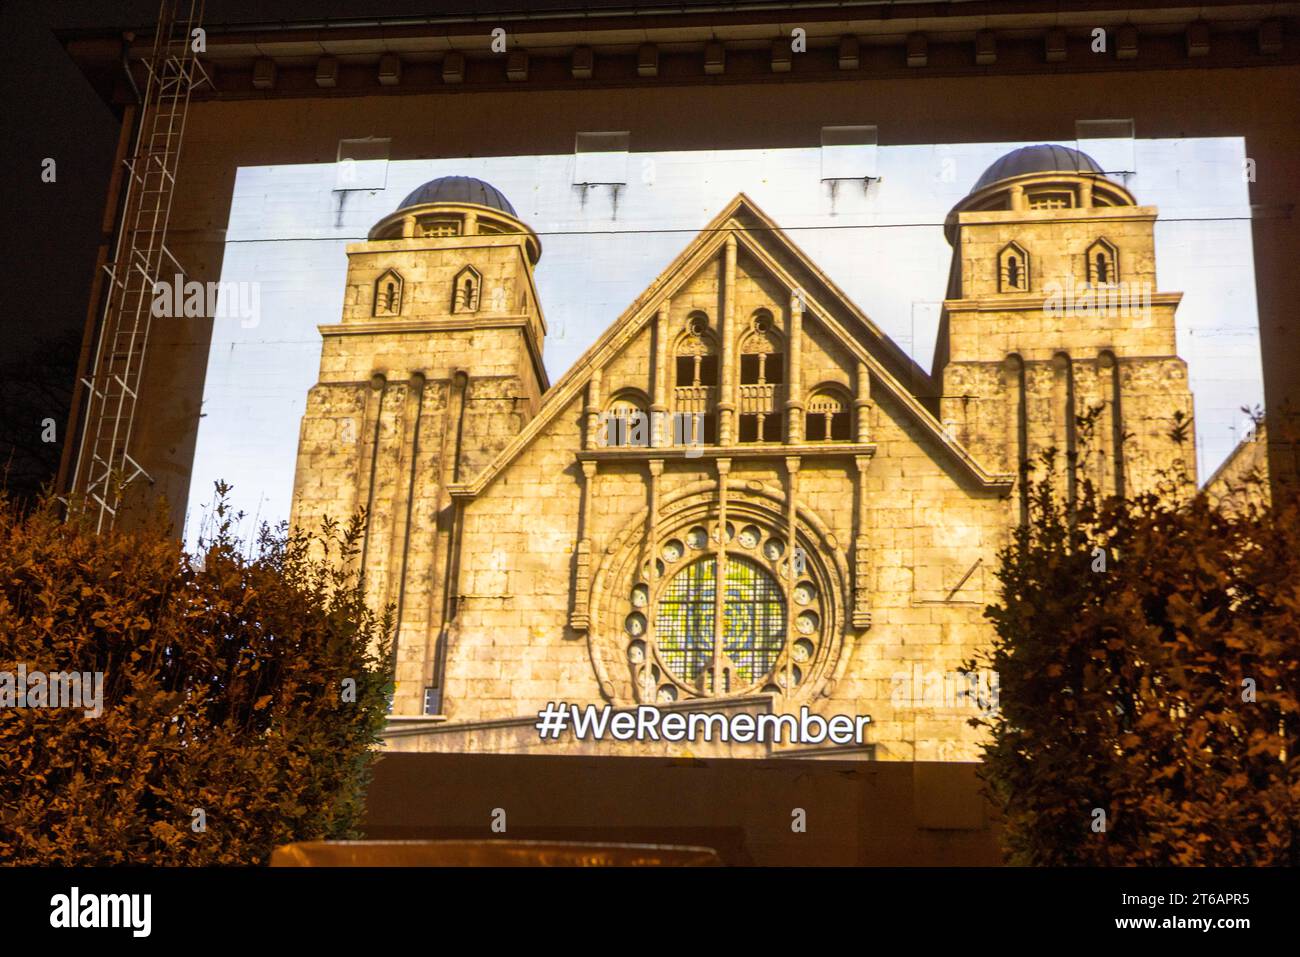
point(862, 404)
point(404, 501)
point(720, 577)
point(580, 620)
point(794, 388)
point(659, 402)
point(471, 223)
point(1017, 427)
point(408, 227)
point(371, 429)
point(861, 554)
point(726, 376)
point(656, 469)
point(792, 571)
point(1103, 436)
point(594, 406)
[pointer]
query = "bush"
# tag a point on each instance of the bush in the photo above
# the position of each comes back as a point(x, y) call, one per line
point(228, 724)
point(1147, 657)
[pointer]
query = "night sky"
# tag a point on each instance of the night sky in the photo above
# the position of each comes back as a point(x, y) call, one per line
point(51, 230)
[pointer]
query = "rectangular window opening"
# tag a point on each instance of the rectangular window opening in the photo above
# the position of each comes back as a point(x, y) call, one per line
point(1109, 142)
point(815, 427)
point(850, 152)
point(772, 431)
point(840, 430)
point(600, 159)
point(362, 164)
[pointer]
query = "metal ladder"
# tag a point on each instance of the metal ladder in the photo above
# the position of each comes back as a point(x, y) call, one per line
point(141, 259)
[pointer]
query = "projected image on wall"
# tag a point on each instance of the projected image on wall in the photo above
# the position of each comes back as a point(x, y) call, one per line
point(658, 427)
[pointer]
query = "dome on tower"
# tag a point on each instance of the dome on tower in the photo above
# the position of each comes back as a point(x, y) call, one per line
point(1044, 158)
point(459, 189)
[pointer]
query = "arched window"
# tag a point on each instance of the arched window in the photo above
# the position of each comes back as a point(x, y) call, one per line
point(762, 373)
point(1013, 269)
point(827, 418)
point(697, 361)
point(761, 360)
point(388, 294)
point(1103, 263)
point(695, 384)
point(465, 291)
point(753, 629)
point(625, 423)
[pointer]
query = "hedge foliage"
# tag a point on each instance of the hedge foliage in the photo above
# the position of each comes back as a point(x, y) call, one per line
point(1148, 653)
point(243, 693)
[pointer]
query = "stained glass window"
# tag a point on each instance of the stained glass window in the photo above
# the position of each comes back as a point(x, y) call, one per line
point(753, 629)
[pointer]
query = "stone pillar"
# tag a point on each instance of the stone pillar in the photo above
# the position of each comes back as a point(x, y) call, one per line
point(404, 501)
point(1060, 433)
point(1085, 194)
point(794, 390)
point(861, 554)
point(656, 469)
point(1018, 197)
point(726, 374)
point(408, 227)
point(580, 620)
point(1014, 390)
point(1103, 436)
point(720, 579)
point(471, 223)
point(659, 402)
point(862, 404)
point(792, 571)
point(594, 407)
point(370, 425)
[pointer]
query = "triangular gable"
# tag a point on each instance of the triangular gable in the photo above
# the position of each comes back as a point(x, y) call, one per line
point(867, 343)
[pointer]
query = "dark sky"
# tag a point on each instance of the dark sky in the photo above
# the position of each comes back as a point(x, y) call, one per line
point(51, 229)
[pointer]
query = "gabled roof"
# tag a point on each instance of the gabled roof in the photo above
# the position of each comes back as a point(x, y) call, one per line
point(759, 236)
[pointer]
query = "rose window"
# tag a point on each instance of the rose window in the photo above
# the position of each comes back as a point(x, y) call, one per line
point(771, 626)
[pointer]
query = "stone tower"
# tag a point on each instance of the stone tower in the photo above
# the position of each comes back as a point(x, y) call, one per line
point(1052, 312)
point(435, 366)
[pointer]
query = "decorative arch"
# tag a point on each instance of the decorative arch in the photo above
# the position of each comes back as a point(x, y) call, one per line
point(695, 382)
point(828, 416)
point(633, 578)
point(762, 379)
point(466, 290)
point(762, 350)
point(696, 340)
point(1013, 268)
point(388, 293)
point(626, 420)
point(1103, 263)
